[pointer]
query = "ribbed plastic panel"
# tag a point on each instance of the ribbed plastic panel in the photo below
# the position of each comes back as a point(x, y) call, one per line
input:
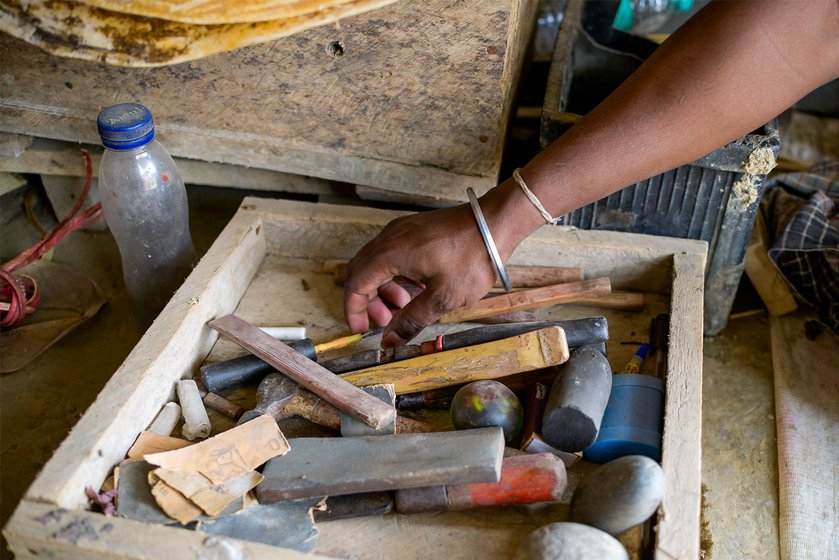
point(684, 202)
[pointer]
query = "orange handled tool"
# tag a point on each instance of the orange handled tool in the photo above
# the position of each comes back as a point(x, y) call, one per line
point(525, 479)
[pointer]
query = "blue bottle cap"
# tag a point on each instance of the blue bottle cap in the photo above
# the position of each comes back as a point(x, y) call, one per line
point(624, 16)
point(125, 126)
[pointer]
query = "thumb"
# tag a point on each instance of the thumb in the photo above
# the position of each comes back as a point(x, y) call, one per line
point(420, 312)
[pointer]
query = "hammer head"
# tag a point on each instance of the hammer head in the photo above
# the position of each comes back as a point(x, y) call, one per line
point(273, 393)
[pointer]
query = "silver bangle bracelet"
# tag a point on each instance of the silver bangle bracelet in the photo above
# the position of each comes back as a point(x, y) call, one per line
point(488, 241)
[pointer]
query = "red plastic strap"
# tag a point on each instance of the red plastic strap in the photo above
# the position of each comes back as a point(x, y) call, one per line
point(438, 343)
point(19, 293)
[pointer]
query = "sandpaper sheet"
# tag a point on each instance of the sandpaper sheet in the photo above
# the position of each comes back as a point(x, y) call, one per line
point(228, 455)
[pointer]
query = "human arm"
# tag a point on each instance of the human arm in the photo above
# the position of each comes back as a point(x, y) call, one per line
point(732, 67)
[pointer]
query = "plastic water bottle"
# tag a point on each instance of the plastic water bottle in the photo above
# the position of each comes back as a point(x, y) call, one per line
point(145, 206)
point(642, 17)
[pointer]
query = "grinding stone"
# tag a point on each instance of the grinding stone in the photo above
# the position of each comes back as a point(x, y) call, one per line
point(570, 541)
point(619, 494)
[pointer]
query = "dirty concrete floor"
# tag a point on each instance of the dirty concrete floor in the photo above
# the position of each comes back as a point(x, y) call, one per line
point(42, 402)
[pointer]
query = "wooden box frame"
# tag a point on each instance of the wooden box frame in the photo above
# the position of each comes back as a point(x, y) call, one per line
point(51, 520)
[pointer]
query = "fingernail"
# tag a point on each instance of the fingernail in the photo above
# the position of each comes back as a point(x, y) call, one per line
point(391, 339)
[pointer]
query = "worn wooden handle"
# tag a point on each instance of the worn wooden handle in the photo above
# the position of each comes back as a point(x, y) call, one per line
point(316, 378)
point(314, 409)
point(534, 350)
point(530, 299)
point(626, 301)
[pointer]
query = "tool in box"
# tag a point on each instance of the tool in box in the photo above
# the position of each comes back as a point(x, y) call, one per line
point(247, 369)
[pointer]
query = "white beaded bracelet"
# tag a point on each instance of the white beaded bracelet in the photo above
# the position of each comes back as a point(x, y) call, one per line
point(534, 199)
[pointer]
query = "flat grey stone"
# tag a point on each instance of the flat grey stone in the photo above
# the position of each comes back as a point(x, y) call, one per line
point(337, 466)
point(619, 495)
point(284, 524)
point(570, 541)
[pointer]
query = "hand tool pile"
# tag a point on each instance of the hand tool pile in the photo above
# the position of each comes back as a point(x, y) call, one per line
point(526, 401)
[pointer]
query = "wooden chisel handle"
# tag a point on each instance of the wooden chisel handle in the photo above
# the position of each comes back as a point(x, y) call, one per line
point(314, 409)
point(530, 299)
point(525, 352)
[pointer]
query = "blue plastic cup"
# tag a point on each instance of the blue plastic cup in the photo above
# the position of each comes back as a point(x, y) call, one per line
point(632, 421)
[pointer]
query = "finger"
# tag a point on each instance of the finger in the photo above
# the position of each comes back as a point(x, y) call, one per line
point(360, 289)
point(395, 294)
point(419, 313)
point(355, 311)
point(379, 313)
point(413, 288)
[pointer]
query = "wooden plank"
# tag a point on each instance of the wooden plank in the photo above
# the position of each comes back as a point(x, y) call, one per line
point(54, 157)
point(677, 534)
point(532, 298)
point(428, 116)
point(554, 118)
point(631, 261)
point(10, 182)
point(342, 395)
point(319, 466)
point(171, 349)
point(39, 530)
point(526, 352)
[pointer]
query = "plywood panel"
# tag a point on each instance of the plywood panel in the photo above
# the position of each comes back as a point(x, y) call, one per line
point(416, 102)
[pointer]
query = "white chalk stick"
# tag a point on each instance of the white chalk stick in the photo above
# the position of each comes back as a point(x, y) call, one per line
point(196, 421)
point(285, 333)
point(166, 419)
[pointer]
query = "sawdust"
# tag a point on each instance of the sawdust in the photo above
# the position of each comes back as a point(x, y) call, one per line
point(706, 540)
point(746, 190)
point(761, 161)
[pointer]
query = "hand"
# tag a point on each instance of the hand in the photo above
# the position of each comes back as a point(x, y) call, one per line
point(441, 251)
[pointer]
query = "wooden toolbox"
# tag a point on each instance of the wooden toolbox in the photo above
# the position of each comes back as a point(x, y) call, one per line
point(266, 266)
point(412, 98)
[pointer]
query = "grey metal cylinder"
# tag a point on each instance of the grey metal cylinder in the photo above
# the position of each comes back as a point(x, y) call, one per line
point(577, 400)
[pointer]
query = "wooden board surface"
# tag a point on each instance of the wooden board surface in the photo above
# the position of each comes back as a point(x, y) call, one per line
point(681, 450)
point(258, 267)
point(54, 157)
point(416, 102)
point(45, 531)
